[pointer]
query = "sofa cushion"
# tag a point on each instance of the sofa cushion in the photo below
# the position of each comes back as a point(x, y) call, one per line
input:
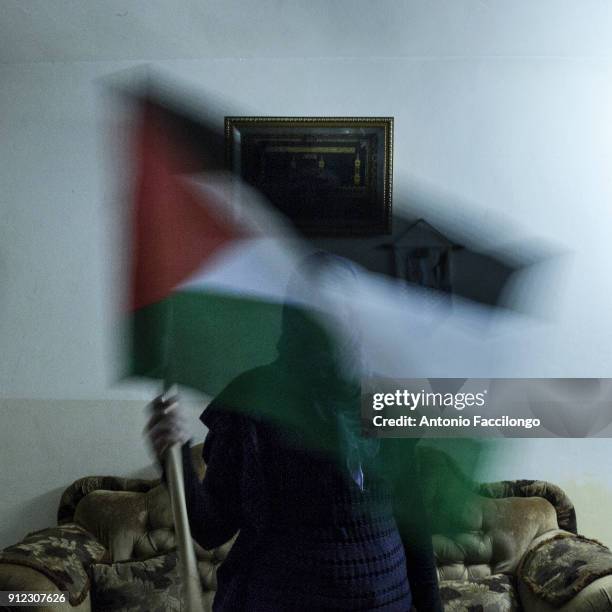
point(132, 525)
point(477, 535)
point(490, 536)
point(129, 586)
point(495, 593)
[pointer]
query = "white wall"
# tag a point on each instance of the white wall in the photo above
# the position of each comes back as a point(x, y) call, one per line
point(505, 110)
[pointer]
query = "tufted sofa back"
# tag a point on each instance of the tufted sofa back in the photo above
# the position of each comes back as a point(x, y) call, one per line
point(477, 534)
point(479, 530)
point(133, 519)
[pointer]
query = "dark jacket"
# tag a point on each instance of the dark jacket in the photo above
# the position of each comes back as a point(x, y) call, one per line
point(310, 539)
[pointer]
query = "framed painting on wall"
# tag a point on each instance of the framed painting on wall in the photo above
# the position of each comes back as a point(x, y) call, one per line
point(331, 176)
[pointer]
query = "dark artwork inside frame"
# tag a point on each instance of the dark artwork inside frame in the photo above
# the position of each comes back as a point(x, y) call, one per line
point(329, 177)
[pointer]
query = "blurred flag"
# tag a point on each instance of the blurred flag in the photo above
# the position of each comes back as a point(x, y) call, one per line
point(222, 291)
point(217, 274)
point(210, 266)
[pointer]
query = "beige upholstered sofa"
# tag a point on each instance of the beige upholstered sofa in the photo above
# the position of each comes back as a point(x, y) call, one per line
point(126, 527)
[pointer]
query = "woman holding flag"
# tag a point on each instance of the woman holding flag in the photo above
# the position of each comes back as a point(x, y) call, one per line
point(327, 520)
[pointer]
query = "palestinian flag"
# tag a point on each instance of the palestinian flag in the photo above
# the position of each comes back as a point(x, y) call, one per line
point(211, 264)
point(218, 288)
point(213, 280)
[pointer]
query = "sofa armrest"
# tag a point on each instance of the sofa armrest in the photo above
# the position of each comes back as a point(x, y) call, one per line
point(594, 598)
point(566, 515)
point(23, 578)
point(57, 558)
point(595, 595)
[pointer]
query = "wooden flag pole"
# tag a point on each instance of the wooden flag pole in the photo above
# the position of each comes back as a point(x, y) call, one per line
point(173, 465)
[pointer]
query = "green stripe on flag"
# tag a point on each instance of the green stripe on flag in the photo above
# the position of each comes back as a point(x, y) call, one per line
point(204, 339)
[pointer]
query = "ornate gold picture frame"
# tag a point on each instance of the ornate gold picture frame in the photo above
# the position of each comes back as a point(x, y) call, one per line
point(331, 176)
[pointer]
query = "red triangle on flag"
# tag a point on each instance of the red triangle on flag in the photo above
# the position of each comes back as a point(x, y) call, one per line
point(175, 229)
